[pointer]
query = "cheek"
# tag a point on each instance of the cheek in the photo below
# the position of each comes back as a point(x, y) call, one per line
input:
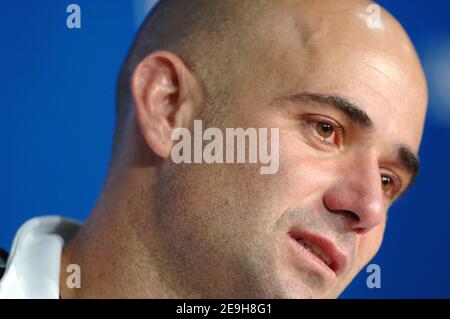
point(369, 245)
point(303, 173)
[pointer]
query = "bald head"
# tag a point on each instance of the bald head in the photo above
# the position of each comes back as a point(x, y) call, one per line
point(219, 40)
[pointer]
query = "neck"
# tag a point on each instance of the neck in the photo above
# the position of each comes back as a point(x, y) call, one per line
point(117, 248)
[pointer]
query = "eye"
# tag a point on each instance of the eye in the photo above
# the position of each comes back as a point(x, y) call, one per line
point(324, 130)
point(387, 184)
point(390, 185)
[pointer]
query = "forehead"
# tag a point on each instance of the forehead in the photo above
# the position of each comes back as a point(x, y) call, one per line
point(332, 51)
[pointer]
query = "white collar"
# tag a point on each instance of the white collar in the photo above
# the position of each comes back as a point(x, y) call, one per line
point(33, 266)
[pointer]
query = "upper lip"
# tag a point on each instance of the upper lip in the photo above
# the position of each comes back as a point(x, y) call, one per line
point(338, 258)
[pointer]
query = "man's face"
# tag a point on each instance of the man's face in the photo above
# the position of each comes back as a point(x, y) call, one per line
point(307, 230)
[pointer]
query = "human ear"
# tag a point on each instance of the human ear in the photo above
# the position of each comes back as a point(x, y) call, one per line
point(166, 96)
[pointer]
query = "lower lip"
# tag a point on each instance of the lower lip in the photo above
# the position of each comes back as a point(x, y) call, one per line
point(314, 262)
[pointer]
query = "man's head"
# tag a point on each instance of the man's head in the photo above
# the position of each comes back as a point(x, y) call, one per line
point(349, 99)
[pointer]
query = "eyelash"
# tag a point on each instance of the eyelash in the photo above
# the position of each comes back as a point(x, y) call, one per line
point(338, 131)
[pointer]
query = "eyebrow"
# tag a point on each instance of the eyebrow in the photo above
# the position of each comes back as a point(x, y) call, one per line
point(355, 113)
point(408, 160)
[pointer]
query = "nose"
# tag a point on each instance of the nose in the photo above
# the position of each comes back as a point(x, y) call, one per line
point(357, 195)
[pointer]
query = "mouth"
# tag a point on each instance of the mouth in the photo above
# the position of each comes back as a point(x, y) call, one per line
point(321, 252)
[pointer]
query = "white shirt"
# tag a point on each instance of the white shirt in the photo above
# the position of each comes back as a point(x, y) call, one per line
point(33, 266)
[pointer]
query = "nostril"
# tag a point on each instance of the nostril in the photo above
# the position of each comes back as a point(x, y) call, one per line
point(361, 230)
point(350, 215)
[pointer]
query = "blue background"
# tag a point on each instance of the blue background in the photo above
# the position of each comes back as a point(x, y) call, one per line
point(57, 119)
